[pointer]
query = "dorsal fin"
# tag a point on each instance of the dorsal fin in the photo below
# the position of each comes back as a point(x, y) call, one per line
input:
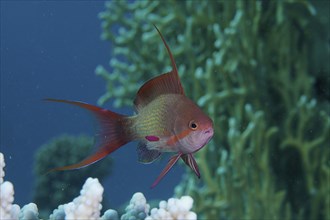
point(167, 83)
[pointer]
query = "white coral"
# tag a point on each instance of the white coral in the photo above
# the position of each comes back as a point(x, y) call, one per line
point(7, 209)
point(88, 204)
point(174, 209)
point(2, 165)
point(138, 208)
point(29, 211)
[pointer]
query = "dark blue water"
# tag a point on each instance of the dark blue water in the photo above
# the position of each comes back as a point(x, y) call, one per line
point(51, 49)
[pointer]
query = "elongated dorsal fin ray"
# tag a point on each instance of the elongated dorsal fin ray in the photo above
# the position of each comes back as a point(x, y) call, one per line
point(174, 69)
point(167, 83)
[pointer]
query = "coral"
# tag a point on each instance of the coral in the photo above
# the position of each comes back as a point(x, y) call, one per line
point(2, 165)
point(137, 207)
point(30, 212)
point(8, 210)
point(174, 209)
point(61, 151)
point(260, 69)
point(88, 206)
point(110, 214)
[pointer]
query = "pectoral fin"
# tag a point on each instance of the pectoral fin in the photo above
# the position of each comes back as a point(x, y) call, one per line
point(145, 155)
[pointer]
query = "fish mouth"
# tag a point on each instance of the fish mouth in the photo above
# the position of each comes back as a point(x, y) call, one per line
point(209, 133)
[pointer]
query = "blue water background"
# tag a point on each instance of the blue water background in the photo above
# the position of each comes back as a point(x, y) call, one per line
point(51, 49)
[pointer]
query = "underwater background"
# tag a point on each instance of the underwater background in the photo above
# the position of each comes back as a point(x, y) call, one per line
point(260, 69)
point(51, 49)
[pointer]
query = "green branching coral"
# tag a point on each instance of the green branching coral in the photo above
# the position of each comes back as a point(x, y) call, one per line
point(242, 185)
point(58, 187)
point(252, 66)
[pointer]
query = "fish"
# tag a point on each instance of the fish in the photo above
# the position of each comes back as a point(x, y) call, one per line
point(166, 121)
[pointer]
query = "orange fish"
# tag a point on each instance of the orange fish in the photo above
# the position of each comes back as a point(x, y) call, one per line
point(166, 121)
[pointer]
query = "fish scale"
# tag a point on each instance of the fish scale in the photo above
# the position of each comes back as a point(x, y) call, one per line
point(156, 118)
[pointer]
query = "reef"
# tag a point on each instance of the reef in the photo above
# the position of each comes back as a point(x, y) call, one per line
point(88, 205)
point(260, 69)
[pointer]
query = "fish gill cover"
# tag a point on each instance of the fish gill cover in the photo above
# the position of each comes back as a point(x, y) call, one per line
point(260, 69)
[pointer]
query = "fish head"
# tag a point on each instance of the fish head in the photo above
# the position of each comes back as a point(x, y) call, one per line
point(193, 128)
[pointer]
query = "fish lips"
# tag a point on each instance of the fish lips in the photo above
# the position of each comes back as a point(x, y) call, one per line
point(209, 134)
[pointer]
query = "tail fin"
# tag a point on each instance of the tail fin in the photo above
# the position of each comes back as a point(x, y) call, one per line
point(112, 135)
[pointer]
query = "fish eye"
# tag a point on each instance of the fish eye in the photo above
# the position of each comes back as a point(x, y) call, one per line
point(193, 125)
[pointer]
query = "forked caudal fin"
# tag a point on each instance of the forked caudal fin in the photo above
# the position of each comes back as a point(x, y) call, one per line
point(111, 136)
